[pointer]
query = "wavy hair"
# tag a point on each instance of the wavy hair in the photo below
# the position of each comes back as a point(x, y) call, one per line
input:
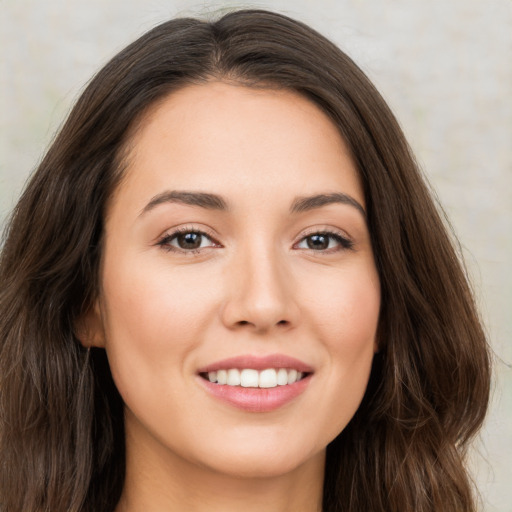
point(61, 417)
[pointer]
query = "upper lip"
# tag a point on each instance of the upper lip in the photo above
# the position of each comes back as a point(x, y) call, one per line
point(257, 363)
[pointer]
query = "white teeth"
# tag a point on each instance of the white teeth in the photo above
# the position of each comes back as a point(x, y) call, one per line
point(222, 376)
point(292, 376)
point(268, 378)
point(282, 377)
point(249, 378)
point(233, 378)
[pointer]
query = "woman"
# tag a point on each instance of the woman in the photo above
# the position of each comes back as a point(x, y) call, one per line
point(227, 286)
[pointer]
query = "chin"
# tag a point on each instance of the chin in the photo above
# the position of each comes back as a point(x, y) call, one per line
point(264, 461)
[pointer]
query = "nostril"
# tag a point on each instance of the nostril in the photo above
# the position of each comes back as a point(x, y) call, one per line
point(257, 326)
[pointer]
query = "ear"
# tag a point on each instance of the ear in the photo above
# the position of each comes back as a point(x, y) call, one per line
point(89, 328)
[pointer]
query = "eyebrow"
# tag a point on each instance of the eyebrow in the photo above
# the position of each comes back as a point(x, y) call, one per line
point(201, 199)
point(304, 204)
point(216, 202)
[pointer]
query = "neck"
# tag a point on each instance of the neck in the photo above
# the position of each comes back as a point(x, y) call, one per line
point(160, 481)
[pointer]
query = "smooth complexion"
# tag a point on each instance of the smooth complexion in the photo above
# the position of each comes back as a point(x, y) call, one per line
point(253, 269)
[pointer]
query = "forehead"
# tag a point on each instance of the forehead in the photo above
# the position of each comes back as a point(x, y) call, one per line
point(228, 139)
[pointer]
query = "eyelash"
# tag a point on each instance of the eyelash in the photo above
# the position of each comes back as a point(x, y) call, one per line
point(165, 241)
point(343, 242)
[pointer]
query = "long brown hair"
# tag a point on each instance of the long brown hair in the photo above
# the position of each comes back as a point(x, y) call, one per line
point(61, 417)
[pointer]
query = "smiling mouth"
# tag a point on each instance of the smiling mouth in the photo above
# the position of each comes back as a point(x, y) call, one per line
point(250, 378)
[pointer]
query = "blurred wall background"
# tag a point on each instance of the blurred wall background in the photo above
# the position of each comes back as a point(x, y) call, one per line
point(445, 67)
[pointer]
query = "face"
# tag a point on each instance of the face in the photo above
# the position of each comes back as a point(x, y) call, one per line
point(239, 297)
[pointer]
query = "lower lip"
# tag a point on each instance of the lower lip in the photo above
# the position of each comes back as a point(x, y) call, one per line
point(257, 399)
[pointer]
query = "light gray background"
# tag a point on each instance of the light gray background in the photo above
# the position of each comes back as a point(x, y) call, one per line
point(445, 67)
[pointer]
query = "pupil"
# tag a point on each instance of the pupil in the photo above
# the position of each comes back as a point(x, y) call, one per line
point(189, 240)
point(318, 242)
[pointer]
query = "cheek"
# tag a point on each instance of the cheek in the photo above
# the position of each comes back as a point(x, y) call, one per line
point(346, 316)
point(154, 300)
point(153, 319)
point(346, 309)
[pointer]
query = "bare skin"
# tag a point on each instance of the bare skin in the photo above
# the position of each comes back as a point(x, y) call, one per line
point(189, 488)
point(239, 231)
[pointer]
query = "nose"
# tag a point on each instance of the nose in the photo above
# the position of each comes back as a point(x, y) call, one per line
point(261, 293)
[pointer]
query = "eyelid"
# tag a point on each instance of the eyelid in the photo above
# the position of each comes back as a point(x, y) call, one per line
point(164, 240)
point(346, 241)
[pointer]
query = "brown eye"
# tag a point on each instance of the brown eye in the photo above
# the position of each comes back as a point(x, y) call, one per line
point(324, 242)
point(189, 240)
point(186, 241)
point(317, 242)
